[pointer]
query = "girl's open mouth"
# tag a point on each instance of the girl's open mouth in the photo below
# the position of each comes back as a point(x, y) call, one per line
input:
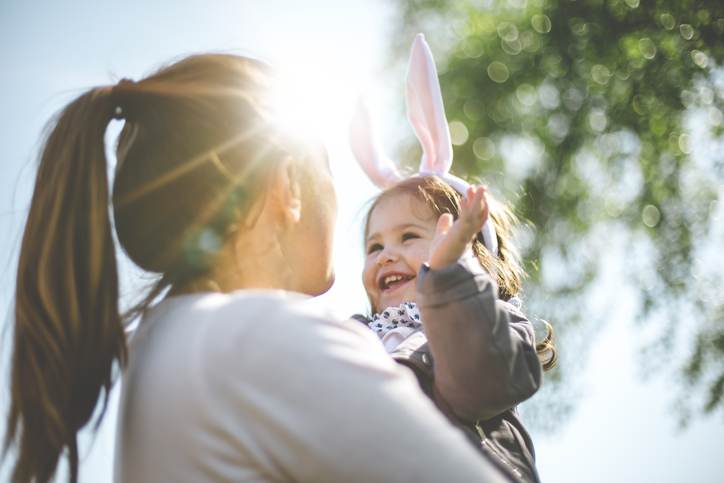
point(393, 281)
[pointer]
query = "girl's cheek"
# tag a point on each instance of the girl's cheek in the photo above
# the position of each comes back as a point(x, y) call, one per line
point(367, 276)
point(423, 256)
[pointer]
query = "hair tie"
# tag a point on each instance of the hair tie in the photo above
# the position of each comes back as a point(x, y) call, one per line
point(119, 110)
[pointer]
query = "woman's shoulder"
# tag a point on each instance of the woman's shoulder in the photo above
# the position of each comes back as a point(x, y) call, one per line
point(264, 337)
point(278, 310)
point(218, 320)
point(243, 306)
point(264, 322)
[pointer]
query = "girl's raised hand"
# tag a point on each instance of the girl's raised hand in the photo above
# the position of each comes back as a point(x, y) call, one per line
point(453, 238)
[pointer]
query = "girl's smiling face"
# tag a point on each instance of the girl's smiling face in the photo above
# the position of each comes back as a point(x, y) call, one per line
point(400, 229)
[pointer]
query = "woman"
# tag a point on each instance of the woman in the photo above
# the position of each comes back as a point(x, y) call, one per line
point(232, 376)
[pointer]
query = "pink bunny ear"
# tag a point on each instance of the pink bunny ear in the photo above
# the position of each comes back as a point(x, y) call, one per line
point(366, 148)
point(425, 110)
point(426, 113)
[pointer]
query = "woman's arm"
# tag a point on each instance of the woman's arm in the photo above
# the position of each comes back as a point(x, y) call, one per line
point(483, 348)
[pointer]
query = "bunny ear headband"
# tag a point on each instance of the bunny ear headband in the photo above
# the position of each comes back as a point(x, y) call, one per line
point(426, 113)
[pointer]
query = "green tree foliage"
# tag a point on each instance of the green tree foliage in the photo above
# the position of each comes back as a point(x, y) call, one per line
point(601, 121)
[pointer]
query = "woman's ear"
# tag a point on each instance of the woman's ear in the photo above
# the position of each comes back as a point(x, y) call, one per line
point(285, 193)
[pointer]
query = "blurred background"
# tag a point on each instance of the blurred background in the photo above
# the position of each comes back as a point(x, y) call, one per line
point(600, 121)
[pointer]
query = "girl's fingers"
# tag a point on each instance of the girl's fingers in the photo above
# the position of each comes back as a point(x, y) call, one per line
point(474, 195)
point(446, 246)
point(473, 208)
point(444, 223)
point(453, 237)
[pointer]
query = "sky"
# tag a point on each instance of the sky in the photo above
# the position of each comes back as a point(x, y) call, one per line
point(623, 429)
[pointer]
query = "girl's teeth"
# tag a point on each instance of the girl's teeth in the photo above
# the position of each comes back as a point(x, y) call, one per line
point(390, 279)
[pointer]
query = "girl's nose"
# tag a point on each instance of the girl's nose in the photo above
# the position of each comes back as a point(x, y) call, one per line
point(387, 256)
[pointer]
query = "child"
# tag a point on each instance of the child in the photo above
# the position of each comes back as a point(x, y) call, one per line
point(437, 309)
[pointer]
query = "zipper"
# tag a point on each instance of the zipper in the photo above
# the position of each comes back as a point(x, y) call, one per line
point(485, 441)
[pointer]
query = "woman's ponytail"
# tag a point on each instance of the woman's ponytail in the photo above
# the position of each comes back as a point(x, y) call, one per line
point(68, 333)
point(189, 126)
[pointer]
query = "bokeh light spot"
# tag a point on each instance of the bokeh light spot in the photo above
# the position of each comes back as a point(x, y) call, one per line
point(684, 144)
point(647, 48)
point(484, 148)
point(507, 31)
point(549, 96)
point(458, 133)
point(525, 93)
point(667, 21)
point(541, 24)
point(700, 58)
point(650, 216)
point(686, 31)
point(597, 120)
point(498, 72)
point(600, 74)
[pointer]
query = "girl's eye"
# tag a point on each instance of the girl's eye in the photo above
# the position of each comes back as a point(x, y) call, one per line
point(375, 247)
point(409, 236)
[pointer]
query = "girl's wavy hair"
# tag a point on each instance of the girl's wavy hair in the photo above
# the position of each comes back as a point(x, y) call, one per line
point(440, 198)
point(192, 160)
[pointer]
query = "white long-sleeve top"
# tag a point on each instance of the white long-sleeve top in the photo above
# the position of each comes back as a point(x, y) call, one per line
point(260, 386)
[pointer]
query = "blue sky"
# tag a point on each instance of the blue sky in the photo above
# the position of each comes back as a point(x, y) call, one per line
point(622, 430)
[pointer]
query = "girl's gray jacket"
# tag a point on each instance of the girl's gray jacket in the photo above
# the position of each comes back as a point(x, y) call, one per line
point(476, 360)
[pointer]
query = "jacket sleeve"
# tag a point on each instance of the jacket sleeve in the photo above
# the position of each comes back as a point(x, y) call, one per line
point(483, 348)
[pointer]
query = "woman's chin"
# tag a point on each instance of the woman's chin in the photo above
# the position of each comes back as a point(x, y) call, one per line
point(324, 285)
point(330, 281)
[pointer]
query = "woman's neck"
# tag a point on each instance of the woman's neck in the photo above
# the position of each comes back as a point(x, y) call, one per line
point(250, 264)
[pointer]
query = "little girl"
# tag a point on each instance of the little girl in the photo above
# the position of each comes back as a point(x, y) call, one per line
point(438, 311)
point(443, 306)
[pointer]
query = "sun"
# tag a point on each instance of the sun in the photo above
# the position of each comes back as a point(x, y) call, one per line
point(313, 99)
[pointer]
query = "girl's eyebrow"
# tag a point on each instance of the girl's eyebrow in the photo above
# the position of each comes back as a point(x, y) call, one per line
point(401, 227)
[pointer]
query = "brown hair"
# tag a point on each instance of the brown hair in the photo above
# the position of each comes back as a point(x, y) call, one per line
point(441, 198)
point(191, 161)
